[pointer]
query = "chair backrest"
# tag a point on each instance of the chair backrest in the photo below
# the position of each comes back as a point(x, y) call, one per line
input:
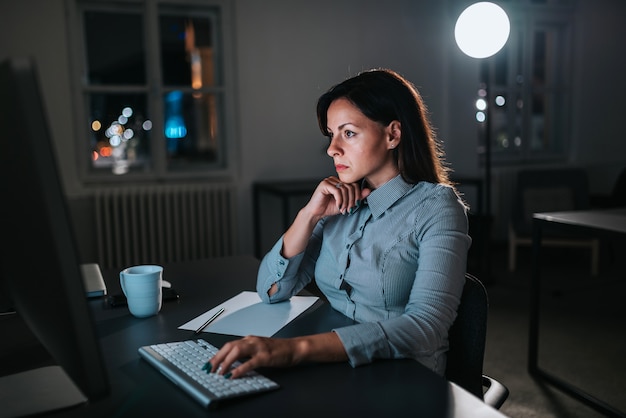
point(467, 338)
point(618, 194)
point(548, 190)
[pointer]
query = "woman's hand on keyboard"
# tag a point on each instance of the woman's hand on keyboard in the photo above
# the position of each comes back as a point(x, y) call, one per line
point(254, 352)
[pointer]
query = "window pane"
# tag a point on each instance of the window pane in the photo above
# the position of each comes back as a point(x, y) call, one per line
point(114, 48)
point(120, 132)
point(187, 51)
point(501, 68)
point(549, 115)
point(162, 60)
point(191, 128)
point(539, 59)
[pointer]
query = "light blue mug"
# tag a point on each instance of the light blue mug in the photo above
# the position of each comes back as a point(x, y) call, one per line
point(142, 287)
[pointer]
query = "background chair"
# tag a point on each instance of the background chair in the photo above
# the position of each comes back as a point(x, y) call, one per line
point(618, 195)
point(616, 199)
point(549, 190)
point(467, 346)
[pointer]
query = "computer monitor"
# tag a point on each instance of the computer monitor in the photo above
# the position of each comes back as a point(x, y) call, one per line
point(39, 260)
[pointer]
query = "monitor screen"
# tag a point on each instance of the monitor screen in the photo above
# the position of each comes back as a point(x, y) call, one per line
point(40, 265)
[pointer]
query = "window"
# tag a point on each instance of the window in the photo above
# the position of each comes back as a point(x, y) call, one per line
point(530, 83)
point(155, 96)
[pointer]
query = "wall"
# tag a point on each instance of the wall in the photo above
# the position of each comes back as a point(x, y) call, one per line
point(599, 142)
point(289, 52)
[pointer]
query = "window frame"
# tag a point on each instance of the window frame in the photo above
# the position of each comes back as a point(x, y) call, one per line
point(226, 165)
point(528, 18)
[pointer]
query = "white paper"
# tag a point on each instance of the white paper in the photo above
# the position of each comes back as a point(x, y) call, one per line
point(245, 314)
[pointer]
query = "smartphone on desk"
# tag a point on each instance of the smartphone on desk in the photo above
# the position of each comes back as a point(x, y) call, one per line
point(119, 299)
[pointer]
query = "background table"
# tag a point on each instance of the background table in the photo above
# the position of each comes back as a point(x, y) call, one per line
point(600, 223)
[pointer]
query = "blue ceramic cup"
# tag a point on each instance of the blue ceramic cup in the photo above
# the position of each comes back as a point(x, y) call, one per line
point(142, 287)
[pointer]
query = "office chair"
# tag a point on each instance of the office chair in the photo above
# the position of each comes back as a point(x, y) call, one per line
point(549, 190)
point(467, 346)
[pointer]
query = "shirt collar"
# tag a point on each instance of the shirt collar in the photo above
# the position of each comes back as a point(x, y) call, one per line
point(386, 195)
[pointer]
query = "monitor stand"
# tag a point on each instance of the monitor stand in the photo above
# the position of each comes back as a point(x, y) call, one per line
point(38, 390)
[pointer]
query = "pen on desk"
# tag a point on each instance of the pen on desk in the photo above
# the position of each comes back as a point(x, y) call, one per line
point(211, 319)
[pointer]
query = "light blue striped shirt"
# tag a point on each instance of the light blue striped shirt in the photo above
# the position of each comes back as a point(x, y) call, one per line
point(396, 266)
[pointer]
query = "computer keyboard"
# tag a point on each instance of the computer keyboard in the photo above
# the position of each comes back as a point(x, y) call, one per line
point(182, 363)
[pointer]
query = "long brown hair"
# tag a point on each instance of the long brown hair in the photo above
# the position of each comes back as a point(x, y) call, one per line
point(384, 96)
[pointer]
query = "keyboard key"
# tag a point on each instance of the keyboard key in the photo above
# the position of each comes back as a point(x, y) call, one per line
point(183, 361)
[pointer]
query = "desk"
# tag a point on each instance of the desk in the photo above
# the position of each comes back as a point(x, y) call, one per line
point(609, 222)
point(385, 388)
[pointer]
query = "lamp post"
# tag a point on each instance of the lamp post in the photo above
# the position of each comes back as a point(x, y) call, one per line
point(482, 30)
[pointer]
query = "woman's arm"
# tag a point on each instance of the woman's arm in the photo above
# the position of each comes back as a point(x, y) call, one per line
point(283, 271)
point(421, 331)
point(327, 200)
point(276, 352)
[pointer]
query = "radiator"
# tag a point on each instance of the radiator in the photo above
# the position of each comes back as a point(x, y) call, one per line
point(161, 224)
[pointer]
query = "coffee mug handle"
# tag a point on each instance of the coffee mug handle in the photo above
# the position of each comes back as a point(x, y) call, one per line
point(122, 283)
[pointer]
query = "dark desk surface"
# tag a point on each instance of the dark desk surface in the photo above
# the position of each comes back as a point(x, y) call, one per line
point(385, 388)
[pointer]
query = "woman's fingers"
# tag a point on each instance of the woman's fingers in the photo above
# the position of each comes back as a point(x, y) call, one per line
point(347, 195)
point(332, 197)
point(258, 352)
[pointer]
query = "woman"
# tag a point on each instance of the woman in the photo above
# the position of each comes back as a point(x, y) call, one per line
point(385, 240)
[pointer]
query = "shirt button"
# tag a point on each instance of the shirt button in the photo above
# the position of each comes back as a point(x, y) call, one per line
point(277, 274)
point(347, 246)
point(281, 262)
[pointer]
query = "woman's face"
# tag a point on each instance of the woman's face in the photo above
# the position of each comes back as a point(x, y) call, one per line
point(359, 146)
